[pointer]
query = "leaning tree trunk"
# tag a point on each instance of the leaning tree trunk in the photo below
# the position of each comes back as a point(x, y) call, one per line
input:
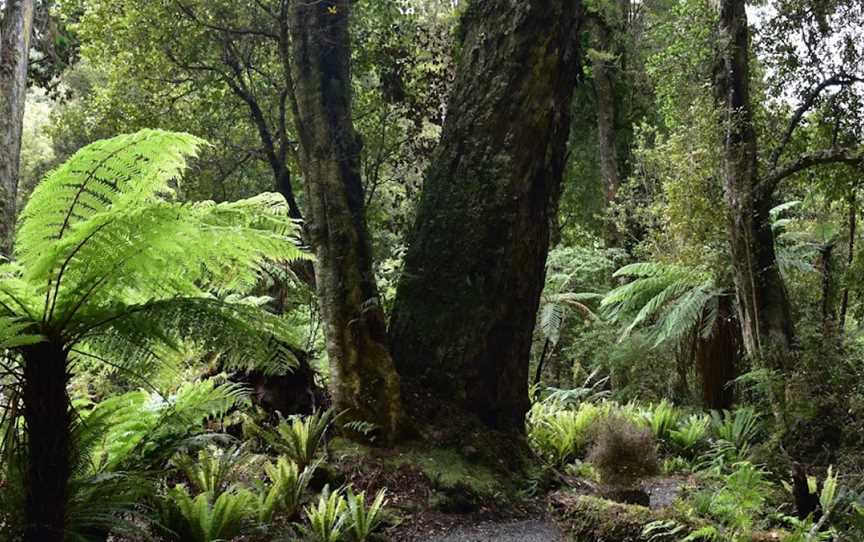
point(363, 378)
point(16, 29)
point(48, 417)
point(467, 301)
point(763, 303)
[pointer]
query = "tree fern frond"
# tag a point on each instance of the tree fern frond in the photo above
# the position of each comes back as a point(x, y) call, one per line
point(119, 172)
point(656, 304)
point(685, 315)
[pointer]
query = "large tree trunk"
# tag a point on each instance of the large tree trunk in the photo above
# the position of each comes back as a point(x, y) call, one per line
point(16, 29)
point(468, 298)
point(48, 417)
point(763, 303)
point(363, 378)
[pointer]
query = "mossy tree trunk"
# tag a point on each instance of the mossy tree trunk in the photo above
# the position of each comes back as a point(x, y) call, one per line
point(602, 68)
point(468, 298)
point(16, 29)
point(364, 380)
point(49, 445)
point(763, 303)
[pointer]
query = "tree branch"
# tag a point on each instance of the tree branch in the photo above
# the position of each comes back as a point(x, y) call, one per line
point(853, 157)
point(839, 79)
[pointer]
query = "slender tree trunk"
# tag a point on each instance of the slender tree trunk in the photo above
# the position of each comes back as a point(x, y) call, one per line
point(850, 257)
point(16, 29)
point(604, 88)
point(468, 297)
point(826, 270)
point(49, 419)
point(763, 303)
point(363, 378)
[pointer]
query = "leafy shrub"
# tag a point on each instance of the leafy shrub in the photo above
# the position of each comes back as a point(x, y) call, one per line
point(326, 518)
point(213, 470)
point(740, 428)
point(300, 437)
point(623, 452)
point(206, 517)
point(287, 487)
point(560, 436)
point(690, 435)
point(662, 418)
point(742, 497)
point(363, 520)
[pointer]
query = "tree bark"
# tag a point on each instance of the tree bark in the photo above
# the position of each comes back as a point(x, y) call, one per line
point(718, 356)
point(49, 418)
point(826, 270)
point(604, 88)
point(16, 29)
point(763, 303)
point(468, 297)
point(363, 378)
point(850, 257)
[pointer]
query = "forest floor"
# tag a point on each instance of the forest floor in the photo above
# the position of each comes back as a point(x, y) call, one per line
point(512, 531)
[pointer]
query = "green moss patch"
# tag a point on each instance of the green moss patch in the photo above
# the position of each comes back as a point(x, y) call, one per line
point(588, 518)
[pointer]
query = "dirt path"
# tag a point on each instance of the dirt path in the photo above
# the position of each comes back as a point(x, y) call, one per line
point(515, 531)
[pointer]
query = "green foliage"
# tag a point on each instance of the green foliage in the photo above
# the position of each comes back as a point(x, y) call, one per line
point(739, 428)
point(207, 517)
point(287, 489)
point(691, 434)
point(673, 301)
point(560, 435)
point(663, 418)
point(364, 519)
point(327, 521)
point(142, 430)
point(213, 470)
point(741, 499)
point(299, 437)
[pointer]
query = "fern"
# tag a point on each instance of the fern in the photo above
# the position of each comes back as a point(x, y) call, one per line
point(109, 267)
point(327, 518)
point(363, 520)
point(288, 486)
point(670, 301)
point(206, 517)
point(300, 437)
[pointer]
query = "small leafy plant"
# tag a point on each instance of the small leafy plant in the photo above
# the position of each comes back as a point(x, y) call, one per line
point(206, 517)
point(287, 489)
point(363, 520)
point(327, 520)
point(662, 418)
point(689, 437)
point(300, 437)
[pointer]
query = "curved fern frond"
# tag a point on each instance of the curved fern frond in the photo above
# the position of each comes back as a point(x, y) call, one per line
point(672, 300)
point(123, 171)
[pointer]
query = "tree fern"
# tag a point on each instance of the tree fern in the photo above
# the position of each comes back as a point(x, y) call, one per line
point(669, 301)
point(109, 267)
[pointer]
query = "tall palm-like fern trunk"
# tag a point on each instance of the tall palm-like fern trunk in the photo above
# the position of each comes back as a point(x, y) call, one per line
point(364, 380)
point(763, 303)
point(16, 28)
point(49, 419)
point(467, 301)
